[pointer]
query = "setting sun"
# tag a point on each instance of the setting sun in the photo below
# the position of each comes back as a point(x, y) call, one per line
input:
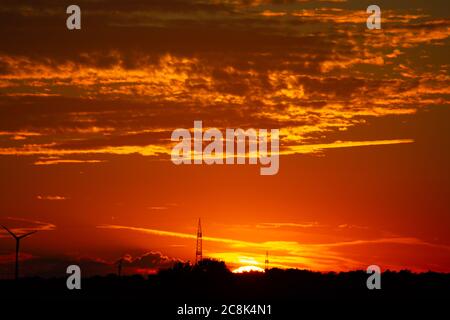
point(248, 269)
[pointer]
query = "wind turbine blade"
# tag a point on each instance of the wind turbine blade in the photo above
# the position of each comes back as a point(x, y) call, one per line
point(9, 231)
point(26, 234)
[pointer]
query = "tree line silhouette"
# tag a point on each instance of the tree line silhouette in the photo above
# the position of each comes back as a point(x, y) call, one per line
point(211, 281)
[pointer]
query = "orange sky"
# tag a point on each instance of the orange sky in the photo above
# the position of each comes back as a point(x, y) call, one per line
point(86, 118)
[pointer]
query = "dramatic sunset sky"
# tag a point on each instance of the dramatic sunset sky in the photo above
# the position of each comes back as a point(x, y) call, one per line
point(86, 118)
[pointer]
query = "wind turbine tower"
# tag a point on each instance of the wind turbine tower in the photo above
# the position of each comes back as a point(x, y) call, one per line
point(17, 238)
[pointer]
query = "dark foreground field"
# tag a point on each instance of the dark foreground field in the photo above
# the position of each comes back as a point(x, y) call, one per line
point(289, 291)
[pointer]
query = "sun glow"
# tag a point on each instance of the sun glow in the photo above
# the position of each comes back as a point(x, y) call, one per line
point(248, 269)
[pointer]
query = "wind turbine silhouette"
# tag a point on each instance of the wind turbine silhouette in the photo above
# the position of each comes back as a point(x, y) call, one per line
point(18, 238)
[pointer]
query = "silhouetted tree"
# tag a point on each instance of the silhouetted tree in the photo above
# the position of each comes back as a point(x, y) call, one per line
point(212, 266)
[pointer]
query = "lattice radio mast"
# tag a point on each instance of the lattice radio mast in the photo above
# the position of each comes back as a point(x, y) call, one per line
point(198, 250)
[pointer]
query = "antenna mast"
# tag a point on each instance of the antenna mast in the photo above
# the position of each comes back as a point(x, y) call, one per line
point(266, 262)
point(198, 249)
point(119, 267)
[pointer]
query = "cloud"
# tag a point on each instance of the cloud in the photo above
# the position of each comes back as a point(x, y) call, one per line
point(269, 225)
point(47, 162)
point(351, 226)
point(149, 262)
point(47, 150)
point(55, 266)
point(51, 198)
point(108, 99)
point(285, 254)
point(354, 16)
point(25, 225)
point(393, 240)
point(342, 144)
point(19, 135)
